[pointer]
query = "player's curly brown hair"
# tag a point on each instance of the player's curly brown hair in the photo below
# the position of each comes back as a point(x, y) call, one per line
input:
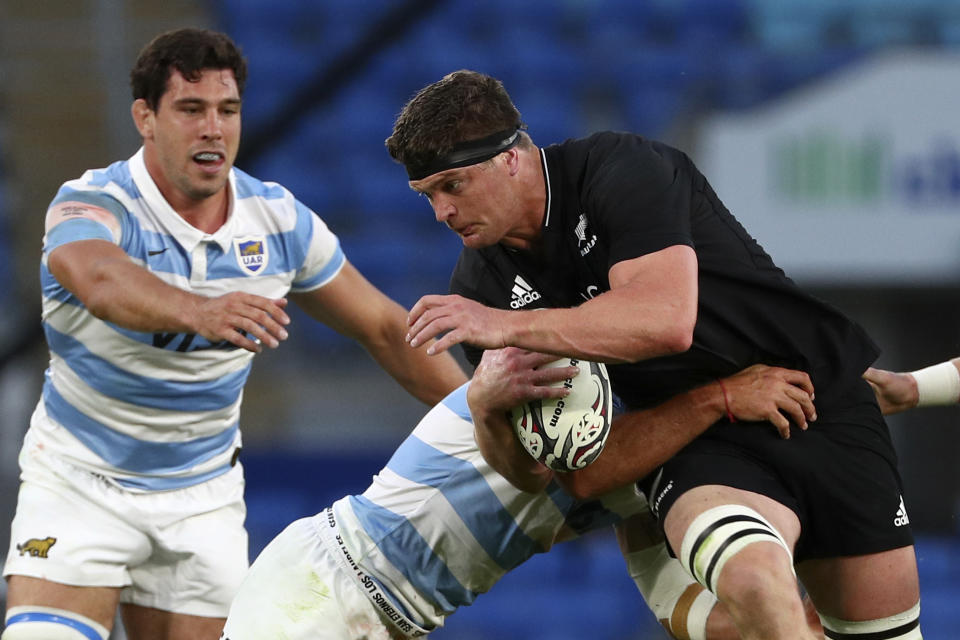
point(189, 51)
point(462, 106)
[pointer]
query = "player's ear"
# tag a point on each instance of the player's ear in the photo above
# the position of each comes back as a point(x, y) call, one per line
point(512, 160)
point(143, 117)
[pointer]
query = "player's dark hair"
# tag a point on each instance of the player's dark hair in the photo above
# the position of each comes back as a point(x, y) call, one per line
point(189, 51)
point(462, 106)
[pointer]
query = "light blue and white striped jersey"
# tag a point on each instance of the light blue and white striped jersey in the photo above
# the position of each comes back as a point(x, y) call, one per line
point(438, 525)
point(161, 411)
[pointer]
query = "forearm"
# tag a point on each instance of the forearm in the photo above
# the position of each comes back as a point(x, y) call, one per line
point(640, 441)
point(427, 378)
point(352, 306)
point(115, 289)
point(611, 328)
point(938, 385)
point(503, 451)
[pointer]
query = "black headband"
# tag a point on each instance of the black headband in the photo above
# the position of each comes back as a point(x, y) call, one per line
point(467, 153)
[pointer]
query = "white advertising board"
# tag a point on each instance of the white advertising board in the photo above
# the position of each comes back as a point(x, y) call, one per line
point(854, 179)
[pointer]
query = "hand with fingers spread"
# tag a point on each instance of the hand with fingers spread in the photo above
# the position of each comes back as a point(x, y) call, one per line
point(772, 394)
point(460, 319)
point(243, 319)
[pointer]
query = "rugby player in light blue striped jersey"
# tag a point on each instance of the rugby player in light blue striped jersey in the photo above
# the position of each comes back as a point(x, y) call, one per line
point(163, 275)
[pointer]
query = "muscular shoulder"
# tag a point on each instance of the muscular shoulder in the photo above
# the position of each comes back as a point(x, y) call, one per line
point(618, 159)
point(619, 165)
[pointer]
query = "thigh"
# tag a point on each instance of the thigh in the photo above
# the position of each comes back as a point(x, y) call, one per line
point(199, 550)
point(72, 527)
point(713, 472)
point(147, 623)
point(852, 496)
point(864, 587)
point(296, 590)
point(97, 603)
point(693, 502)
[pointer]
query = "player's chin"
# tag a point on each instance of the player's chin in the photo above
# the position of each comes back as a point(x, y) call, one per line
point(474, 241)
point(208, 186)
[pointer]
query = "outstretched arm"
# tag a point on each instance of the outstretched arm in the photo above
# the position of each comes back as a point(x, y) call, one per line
point(935, 385)
point(114, 288)
point(353, 306)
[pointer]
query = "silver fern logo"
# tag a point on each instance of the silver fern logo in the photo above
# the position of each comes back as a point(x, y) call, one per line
point(583, 243)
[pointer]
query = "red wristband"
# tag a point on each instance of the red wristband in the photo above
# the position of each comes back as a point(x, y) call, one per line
point(726, 402)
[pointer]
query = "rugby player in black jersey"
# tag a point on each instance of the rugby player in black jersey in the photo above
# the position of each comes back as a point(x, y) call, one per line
point(615, 248)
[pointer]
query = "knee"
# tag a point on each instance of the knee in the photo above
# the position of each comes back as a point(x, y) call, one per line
point(48, 623)
point(720, 534)
point(760, 572)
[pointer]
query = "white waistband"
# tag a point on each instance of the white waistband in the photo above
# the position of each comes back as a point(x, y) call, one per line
point(327, 528)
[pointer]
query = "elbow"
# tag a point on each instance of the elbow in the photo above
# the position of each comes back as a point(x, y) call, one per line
point(530, 479)
point(530, 485)
point(98, 302)
point(677, 340)
point(578, 485)
point(671, 340)
point(677, 335)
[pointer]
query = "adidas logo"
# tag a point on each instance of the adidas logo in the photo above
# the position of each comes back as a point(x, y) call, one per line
point(901, 519)
point(522, 294)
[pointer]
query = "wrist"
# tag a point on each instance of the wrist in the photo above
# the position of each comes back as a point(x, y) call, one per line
point(938, 384)
point(726, 402)
point(188, 314)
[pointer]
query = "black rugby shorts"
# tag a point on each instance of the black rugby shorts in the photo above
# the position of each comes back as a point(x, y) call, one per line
point(840, 477)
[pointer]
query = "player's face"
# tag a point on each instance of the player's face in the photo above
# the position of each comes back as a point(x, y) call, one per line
point(191, 140)
point(474, 202)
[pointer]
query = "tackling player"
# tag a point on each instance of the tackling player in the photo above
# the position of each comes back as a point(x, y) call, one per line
point(438, 526)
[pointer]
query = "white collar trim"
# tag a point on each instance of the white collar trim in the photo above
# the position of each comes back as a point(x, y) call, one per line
point(185, 233)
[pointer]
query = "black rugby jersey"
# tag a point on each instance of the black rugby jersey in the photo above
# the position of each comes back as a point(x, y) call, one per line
point(616, 196)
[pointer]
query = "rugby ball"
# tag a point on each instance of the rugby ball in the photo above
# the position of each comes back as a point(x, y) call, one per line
point(568, 433)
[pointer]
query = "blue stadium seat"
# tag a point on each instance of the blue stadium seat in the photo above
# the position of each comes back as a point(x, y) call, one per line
point(621, 22)
point(551, 116)
point(741, 79)
point(539, 60)
point(712, 22)
point(651, 111)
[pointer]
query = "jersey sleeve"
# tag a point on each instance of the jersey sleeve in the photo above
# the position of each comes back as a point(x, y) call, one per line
point(83, 215)
point(639, 197)
point(322, 255)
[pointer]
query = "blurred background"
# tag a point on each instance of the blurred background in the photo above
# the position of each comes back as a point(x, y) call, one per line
point(829, 128)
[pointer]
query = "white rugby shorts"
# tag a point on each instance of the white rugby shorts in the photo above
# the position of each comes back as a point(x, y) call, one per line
point(183, 550)
point(296, 590)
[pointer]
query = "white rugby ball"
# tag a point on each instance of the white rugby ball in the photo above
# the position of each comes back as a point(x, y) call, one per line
point(568, 433)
